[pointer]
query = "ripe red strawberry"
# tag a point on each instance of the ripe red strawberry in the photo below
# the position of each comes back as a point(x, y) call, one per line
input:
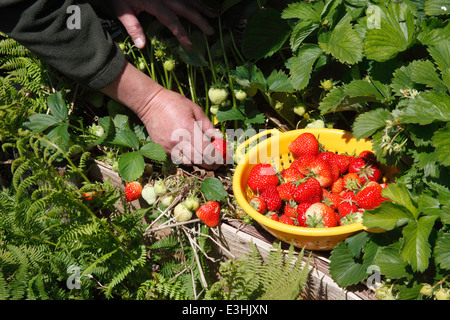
point(348, 204)
point(284, 218)
point(291, 174)
point(258, 204)
point(273, 216)
point(321, 171)
point(301, 210)
point(342, 161)
point(337, 185)
point(271, 198)
point(351, 181)
point(327, 156)
point(368, 156)
point(302, 163)
point(356, 164)
point(320, 215)
point(209, 213)
point(305, 143)
point(133, 190)
point(330, 198)
point(370, 172)
point(370, 196)
point(308, 190)
point(221, 146)
point(290, 209)
point(261, 176)
point(285, 190)
point(334, 171)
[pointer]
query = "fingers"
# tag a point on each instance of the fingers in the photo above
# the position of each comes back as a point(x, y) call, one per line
point(130, 22)
point(192, 14)
point(168, 18)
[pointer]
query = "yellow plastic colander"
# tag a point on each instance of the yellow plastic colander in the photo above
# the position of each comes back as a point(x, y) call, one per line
point(274, 150)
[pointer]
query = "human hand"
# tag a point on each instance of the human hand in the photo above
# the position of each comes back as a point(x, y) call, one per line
point(172, 120)
point(182, 128)
point(167, 12)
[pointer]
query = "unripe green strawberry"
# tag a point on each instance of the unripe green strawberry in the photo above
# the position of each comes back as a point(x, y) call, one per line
point(217, 95)
point(214, 109)
point(240, 95)
point(300, 110)
point(442, 294)
point(169, 64)
point(160, 187)
point(167, 199)
point(181, 213)
point(192, 203)
point(149, 194)
point(327, 85)
point(426, 290)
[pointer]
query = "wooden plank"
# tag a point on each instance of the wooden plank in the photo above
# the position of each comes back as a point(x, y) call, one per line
point(320, 286)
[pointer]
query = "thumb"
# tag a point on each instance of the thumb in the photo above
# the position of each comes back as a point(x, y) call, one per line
point(133, 27)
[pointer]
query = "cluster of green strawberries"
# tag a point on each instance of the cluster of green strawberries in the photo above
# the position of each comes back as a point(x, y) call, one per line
point(320, 188)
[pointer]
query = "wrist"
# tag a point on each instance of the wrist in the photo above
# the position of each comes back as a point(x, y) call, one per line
point(134, 89)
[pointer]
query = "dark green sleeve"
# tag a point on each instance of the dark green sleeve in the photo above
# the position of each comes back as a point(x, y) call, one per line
point(87, 55)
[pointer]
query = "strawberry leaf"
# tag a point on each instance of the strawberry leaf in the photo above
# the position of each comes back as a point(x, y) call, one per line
point(343, 43)
point(427, 107)
point(387, 216)
point(153, 151)
point(441, 141)
point(394, 34)
point(389, 261)
point(212, 189)
point(300, 66)
point(257, 33)
point(442, 250)
point(131, 165)
point(437, 7)
point(416, 248)
point(369, 122)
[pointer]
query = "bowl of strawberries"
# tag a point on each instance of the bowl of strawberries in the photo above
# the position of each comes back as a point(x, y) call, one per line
point(310, 186)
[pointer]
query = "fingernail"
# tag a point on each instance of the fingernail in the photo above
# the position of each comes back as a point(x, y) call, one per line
point(139, 42)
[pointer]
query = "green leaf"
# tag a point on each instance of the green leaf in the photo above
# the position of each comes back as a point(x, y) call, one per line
point(369, 122)
point(343, 267)
point(300, 66)
point(343, 43)
point(230, 113)
point(61, 131)
point(442, 251)
point(131, 165)
point(213, 189)
point(398, 193)
point(389, 261)
point(257, 33)
point(402, 79)
point(40, 122)
point(387, 215)
point(426, 108)
point(424, 72)
point(416, 248)
point(125, 138)
point(441, 141)
point(153, 151)
point(395, 33)
point(300, 32)
point(441, 54)
point(278, 81)
point(437, 7)
point(357, 242)
point(302, 11)
point(58, 106)
point(358, 88)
